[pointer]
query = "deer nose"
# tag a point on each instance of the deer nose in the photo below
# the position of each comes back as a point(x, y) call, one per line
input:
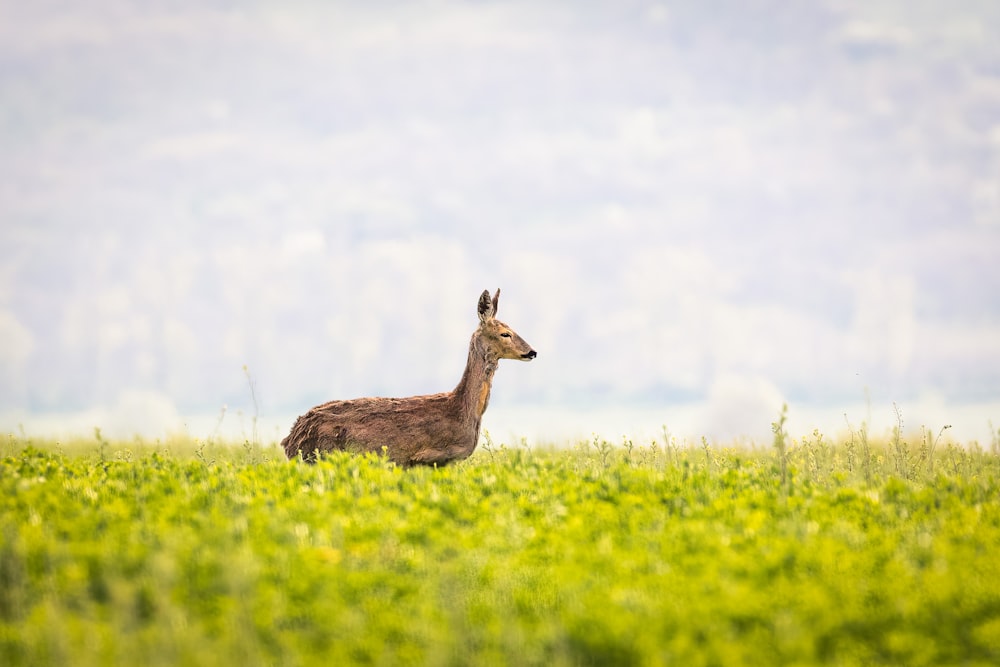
point(530, 355)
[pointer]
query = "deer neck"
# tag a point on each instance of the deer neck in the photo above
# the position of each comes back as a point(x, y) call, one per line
point(473, 391)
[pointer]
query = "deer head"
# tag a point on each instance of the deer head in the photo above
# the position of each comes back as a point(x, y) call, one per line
point(501, 341)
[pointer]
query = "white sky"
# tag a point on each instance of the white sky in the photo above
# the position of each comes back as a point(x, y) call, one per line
point(695, 212)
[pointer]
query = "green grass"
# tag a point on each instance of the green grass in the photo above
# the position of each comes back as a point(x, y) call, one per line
point(192, 553)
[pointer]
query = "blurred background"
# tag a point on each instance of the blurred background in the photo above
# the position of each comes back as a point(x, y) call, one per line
point(215, 212)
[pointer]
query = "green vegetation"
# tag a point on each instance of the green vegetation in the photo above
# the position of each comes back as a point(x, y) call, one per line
point(809, 552)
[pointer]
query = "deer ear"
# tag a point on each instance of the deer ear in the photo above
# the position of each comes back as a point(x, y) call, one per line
point(487, 308)
point(496, 299)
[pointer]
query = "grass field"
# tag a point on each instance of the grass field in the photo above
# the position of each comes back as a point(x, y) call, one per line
point(806, 552)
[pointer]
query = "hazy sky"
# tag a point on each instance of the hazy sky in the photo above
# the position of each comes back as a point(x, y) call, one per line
point(695, 210)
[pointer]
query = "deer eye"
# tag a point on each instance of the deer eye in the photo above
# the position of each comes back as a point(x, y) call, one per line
point(505, 334)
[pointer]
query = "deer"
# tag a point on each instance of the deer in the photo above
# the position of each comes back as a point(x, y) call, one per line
point(431, 430)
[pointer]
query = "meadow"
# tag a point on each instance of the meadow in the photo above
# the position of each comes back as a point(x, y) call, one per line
point(806, 551)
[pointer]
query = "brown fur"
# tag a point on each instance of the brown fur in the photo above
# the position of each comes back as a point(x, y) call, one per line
point(432, 429)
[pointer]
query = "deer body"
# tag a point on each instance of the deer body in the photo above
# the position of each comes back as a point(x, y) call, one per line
point(432, 429)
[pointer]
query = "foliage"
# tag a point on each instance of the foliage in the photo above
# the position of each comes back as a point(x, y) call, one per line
point(810, 552)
